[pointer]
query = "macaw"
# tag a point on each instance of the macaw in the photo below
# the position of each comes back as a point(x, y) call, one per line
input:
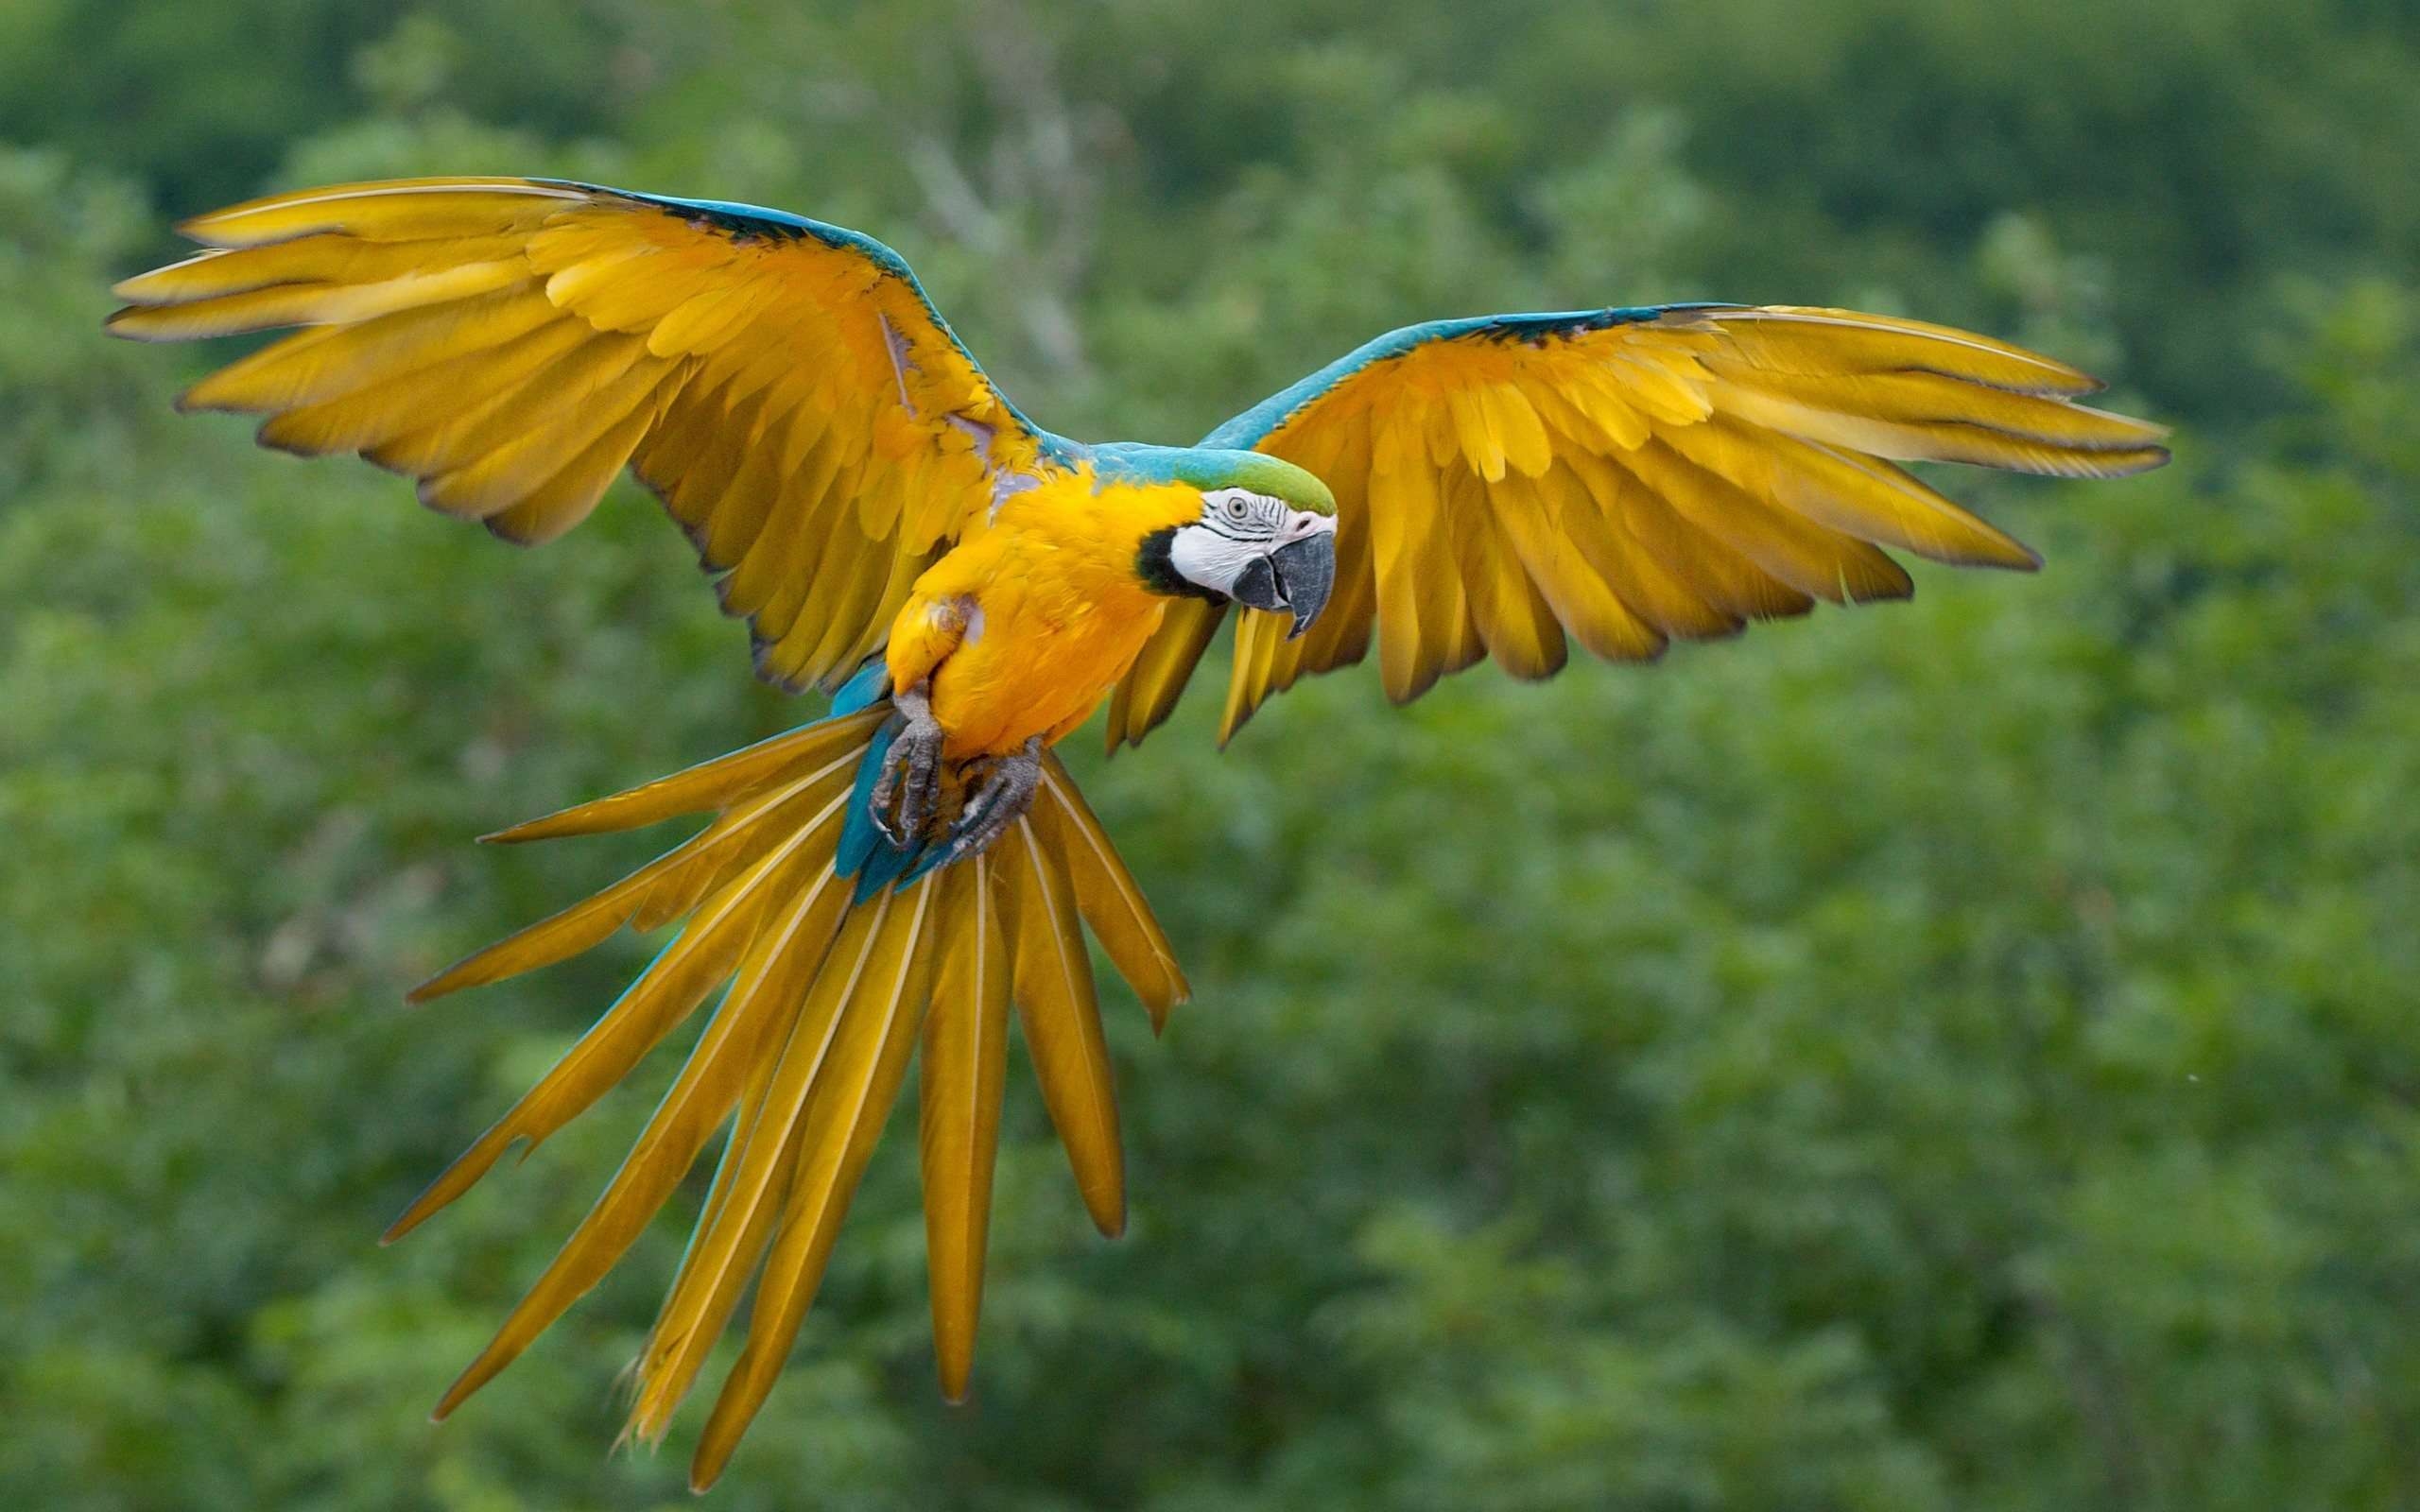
point(973, 588)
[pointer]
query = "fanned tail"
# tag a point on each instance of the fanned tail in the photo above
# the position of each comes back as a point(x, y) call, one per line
point(807, 1046)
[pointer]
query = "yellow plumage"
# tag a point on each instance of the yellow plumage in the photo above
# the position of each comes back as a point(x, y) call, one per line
point(808, 1047)
point(959, 1089)
point(1741, 462)
point(512, 344)
point(867, 500)
point(1053, 980)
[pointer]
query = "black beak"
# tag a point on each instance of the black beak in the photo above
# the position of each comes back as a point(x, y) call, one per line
point(1295, 578)
point(1306, 571)
point(1258, 587)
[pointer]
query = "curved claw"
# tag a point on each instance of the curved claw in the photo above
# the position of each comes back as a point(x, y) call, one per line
point(911, 773)
point(1002, 799)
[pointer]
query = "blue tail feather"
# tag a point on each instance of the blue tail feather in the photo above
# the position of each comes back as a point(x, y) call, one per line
point(930, 854)
point(886, 866)
point(863, 853)
point(859, 839)
point(869, 684)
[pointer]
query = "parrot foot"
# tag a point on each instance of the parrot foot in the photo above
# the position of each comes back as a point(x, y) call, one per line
point(1001, 800)
point(911, 773)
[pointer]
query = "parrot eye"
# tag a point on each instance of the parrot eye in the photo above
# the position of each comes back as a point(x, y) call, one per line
point(1237, 510)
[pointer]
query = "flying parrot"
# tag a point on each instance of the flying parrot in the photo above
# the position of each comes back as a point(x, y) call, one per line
point(971, 588)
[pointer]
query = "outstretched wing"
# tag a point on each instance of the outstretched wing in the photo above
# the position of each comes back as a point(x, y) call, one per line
point(1630, 477)
point(782, 385)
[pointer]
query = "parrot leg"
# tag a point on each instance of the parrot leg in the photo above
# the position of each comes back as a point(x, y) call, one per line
point(1006, 793)
point(911, 772)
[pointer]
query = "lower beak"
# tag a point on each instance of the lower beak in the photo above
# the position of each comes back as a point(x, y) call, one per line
point(1305, 576)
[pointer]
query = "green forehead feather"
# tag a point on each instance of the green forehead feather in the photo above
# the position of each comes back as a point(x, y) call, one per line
point(1279, 479)
point(1207, 468)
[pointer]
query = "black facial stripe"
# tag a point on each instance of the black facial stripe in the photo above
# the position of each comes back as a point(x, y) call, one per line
point(1253, 529)
point(1155, 563)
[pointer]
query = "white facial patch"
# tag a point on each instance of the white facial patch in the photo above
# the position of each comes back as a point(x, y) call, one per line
point(1215, 560)
point(1237, 528)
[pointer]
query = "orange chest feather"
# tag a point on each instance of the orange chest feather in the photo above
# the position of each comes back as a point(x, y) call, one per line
point(1051, 608)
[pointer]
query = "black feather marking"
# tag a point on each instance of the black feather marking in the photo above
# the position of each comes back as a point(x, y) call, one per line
point(1155, 563)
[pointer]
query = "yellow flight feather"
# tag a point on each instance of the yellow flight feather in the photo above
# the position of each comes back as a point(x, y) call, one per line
point(1256, 638)
point(1807, 557)
point(1149, 691)
point(667, 992)
point(327, 363)
point(1516, 625)
point(959, 1092)
point(704, 321)
point(881, 1014)
point(754, 492)
point(511, 344)
point(1792, 338)
point(1867, 499)
point(770, 1146)
point(1053, 985)
point(436, 406)
point(264, 309)
point(1403, 504)
point(1704, 566)
point(1574, 588)
point(583, 924)
point(322, 259)
point(708, 784)
point(390, 210)
point(765, 991)
point(1648, 583)
point(755, 831)
point(561, 501)
point(706, 1291)
point(534, 437)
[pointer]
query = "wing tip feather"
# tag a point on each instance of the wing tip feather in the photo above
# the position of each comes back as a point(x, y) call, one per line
point(140, 322)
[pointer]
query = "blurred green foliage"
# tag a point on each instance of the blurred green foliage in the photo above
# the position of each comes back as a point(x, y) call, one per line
point(1952, 1056)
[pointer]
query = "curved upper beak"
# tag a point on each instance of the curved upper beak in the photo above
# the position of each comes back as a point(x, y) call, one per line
point(1296, 579)
point(1305, 576)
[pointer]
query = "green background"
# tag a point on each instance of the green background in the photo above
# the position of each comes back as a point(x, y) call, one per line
point(1957, 1055)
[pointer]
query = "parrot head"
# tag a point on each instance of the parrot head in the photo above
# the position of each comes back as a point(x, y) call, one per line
point(1265, 539)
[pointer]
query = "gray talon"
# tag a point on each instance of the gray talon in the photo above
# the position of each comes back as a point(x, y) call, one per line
point(910, 772)
point(1007, 792)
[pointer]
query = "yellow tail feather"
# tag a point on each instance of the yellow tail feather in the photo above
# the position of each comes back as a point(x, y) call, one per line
point(805, 1051)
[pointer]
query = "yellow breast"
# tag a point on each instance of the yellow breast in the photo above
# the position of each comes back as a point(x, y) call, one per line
point(1057, 610)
